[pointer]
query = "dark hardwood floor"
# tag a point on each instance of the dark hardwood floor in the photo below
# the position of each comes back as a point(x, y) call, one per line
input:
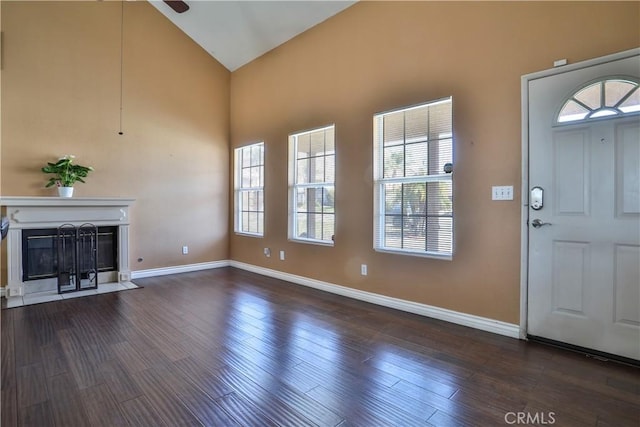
point(230, 348)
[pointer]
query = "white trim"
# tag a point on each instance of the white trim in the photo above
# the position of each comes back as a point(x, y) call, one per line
point(238, 188)
point(293, 161)
point(380, 181)
point(582, 64)
point(470, 320)
point(316, 242)
point(524, 212)
point(247, 234)
point(65, 201)
point(524, 244)
point(163, 271)
point(423, 254)
point(306, 132)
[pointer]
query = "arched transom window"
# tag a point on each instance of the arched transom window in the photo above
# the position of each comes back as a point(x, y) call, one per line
point(601, 99)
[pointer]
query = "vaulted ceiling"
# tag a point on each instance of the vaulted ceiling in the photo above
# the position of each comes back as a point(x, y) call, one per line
point(237, 32)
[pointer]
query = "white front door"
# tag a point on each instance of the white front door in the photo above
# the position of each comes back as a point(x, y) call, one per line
point(584, 241)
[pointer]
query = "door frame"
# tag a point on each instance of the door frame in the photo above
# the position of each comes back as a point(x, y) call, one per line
point(524, 188)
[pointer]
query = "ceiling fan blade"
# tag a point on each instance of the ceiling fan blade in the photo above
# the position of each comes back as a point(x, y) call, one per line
point(177, 5)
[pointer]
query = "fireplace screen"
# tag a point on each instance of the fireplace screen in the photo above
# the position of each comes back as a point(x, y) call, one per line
point(77, 257)
point(40, 252)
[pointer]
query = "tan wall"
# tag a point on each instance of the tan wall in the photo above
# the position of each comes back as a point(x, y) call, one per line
point(61, 95)
point(377, 56)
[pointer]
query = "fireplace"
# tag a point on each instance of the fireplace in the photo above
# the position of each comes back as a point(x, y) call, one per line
point(32, 262)
point(40, 252)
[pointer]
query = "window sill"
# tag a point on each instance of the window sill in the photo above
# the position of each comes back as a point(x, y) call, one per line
point(245, 234)
point(312, 242)
point(432, 255)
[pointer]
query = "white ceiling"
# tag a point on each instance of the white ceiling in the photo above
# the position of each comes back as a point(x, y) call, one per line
point(237, 32)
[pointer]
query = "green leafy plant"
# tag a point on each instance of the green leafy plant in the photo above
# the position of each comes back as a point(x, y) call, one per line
point(66, 172)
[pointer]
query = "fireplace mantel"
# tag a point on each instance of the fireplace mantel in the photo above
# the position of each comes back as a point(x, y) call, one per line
point(51, 212)
point(39, 212)
point(65, 201)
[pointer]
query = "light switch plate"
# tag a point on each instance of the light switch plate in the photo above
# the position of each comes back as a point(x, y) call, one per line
point(502, 192)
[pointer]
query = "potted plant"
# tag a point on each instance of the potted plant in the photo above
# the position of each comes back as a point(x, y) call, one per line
point(66, 173)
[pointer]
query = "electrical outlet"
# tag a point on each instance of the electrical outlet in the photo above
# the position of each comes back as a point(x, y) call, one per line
point(267, 252)
point(185, 250)
point(281, 255)
point(363, 269)
point(502, 192)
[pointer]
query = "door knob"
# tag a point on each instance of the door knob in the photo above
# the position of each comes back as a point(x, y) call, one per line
point(537, 223)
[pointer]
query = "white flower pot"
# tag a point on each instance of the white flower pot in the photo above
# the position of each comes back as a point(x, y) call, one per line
point(65, 191)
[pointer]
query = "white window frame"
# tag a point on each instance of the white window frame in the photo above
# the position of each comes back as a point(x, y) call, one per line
point(295, 186)
point(239, 189)
point(380, 181)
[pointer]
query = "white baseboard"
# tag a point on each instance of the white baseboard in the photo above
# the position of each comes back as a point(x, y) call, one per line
point(470, 320)
point(163, 271)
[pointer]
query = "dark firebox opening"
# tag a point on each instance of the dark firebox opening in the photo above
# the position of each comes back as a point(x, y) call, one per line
point(40, 253)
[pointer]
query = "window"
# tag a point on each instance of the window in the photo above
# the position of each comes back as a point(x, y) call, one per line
point(249, 184)
point(312, 164)
point(601, 99)
point(413, 155)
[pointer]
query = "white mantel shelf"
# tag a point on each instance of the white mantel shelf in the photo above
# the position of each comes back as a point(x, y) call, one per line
point(51, 212)
point(65, 201)
point(43, 212)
